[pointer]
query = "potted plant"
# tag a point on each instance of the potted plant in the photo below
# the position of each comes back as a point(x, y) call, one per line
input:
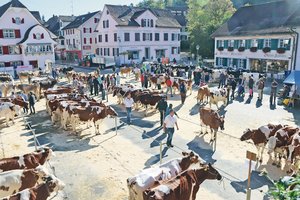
point(266, 49)
point(281, 50)
point(253, 49)
point(220, 48)
point(241, 49)
point(230, 48)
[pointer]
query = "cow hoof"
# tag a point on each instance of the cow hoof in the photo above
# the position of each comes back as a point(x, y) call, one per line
point(273, 164)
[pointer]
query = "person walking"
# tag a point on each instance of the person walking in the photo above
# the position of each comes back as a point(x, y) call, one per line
point(128, 101)
point(169, 86)
point(31, 100)
point(146, 80)
point(190, 73)
point(96, 86)
point(233, 87)
point(222, 80)
point(274, 86)
point(162, 106)
point(25, 99)
point(142, 79)
point(182, 89)
point(91, 84)
point(260, 88)
point(169, 127)
point(250, 85)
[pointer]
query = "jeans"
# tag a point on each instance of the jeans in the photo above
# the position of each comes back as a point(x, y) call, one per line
point(170, 132)
point(128, 115)
point(91, 89)
point(32, 109)
point(260, 94)
point(162, 117)
point(169, 89)
point(183, 97)
point(273, 98)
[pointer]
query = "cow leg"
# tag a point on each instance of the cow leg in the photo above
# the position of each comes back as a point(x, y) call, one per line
point(261, 154)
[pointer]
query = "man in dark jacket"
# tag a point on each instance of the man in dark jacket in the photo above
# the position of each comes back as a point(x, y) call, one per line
point(233, 87)
point(162, 107)
point(96, 86)
point(90, 82)
point(31, 100)
point(250, 85)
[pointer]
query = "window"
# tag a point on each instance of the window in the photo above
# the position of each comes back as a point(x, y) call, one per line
point(137, 37)
point(133, 55)
point(166, 36)
point(16, 63)
point(230, 43)
point(62, 42)
point(14, 50)
point(100, 38)
point(106, 37)
point(230, 62)
point(220, 61)
point(173, 37)
point(254, 43)
point(283, 43)
point(174, 50)
point(240, 63)
point(103, 24)
point(151, 23)
point(84, 30)
point(90, 30)
point(84, 40)
point(115, 37)
point(1, 50)
point(148, 22)
point(179, 37)
point(91, 40)
point(220, 43)
point(156, 36)
point(18, 20)
point(241, 43)
point(2, 64)
point(9, 33)
point(73, 41)
point(115, 51)
point(126, 37)
point(101, 52)
point(267, 42)
point(147, 36)
point(107, 24)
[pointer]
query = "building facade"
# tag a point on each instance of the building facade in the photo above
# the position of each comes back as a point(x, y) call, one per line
point(131, 34)
point(24, 42)
point(263, 42)
point(180, 14)
point(79, 36)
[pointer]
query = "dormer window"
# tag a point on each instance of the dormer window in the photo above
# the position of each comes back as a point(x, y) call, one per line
point(18, 20)
point(147, 23)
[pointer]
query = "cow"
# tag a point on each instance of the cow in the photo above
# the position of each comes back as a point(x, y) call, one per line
point(17, 101)
point(46, 84)
point(125, 71)
point(150, 99)
point(185, 186)
point(6, 88)
point(148, 177)
point(188, 83)
point(17, 180)
point(24, 76)
point(70, 75)
point(39, 192)
point(294, 159)
point(202, 93)
point(8, 110)
point(29, 161)
point(211, 118)
point(94, 114)
point(6, 78)
point(218, 95)
point(34, 88)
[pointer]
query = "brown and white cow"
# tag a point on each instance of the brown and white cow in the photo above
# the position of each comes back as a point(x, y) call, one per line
point(217, 96)
point(17, 180)
point(17, 101)
point(211, 118)
point(125, 71)
point(39, 192)
point(8, 111)
point(202, 93)
point(29, 161)
point(34, 88)
point(185, 186)
point(148, 177)
point(6, 88)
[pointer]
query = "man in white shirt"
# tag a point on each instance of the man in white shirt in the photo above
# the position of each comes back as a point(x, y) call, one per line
point(128, 101)
point(169, 124)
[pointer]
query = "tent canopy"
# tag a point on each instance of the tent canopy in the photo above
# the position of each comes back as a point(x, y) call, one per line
point(293, 78)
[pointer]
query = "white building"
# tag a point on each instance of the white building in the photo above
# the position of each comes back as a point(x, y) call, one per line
point(80, 36)
point(260, 38)
point(24, 42)
point(132, 34)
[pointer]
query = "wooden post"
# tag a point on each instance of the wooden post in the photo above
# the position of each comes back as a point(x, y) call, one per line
point(252, 157)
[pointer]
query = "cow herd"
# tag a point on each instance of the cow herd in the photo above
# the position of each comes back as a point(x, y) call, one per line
point(66, 107)
point(281, 141)
point(25, 178)
point(176, 179)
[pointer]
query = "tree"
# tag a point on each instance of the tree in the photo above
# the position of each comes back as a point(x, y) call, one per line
point(286, 188)
point(152, 4)
point(204, 18)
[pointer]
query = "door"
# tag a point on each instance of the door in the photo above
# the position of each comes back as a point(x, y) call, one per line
point(147, 53)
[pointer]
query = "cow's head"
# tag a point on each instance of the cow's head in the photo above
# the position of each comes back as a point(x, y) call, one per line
point(247, 135)
point(187, 160)
point(47, 153)
point(54, 184)
point(210, 172)
point(41, 172)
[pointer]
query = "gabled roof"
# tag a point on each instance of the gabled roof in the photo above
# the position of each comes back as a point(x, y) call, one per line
point(268, 18)
point(80, 20)
point(13, 3)
point(181, 20)
point(53, 23)
point(126, 16)
point(28, 32)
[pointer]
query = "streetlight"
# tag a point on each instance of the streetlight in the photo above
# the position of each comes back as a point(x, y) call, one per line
point(197, 48)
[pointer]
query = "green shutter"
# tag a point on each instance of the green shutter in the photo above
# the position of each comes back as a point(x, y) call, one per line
point(217, 61)
point(235, 44)
point(225, 62)
point(289, 45)
point(248, 44)
point(245, 64)
point(260, 43)
point(274, 44)
point(234, 62)
point(218, 41)
point(225, 44)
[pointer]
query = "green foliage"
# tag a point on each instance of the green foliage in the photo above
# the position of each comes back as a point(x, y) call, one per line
point(204, 18)
point(152, 4)
point(287, 188)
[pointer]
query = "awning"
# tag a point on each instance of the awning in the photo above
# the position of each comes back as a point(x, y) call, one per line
point(293, 78)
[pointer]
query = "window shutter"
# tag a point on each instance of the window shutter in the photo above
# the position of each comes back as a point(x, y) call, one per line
point(95, 40)
point(20, 50)
point(142, 22)
point(84, 40)
point(90, 30)
point(91, 40)
point(34, 36)
point(1, 33)
point(150, 36)
point(42, 36)
point(13, 20)
point(5, 50)
point(151, 22)
point(84, 30)
point(144, 36)
point(22, 21)
point(274, 44)
point(18, 33)
point(7, 64)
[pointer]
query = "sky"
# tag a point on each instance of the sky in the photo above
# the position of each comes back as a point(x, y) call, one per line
point(64, 7)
